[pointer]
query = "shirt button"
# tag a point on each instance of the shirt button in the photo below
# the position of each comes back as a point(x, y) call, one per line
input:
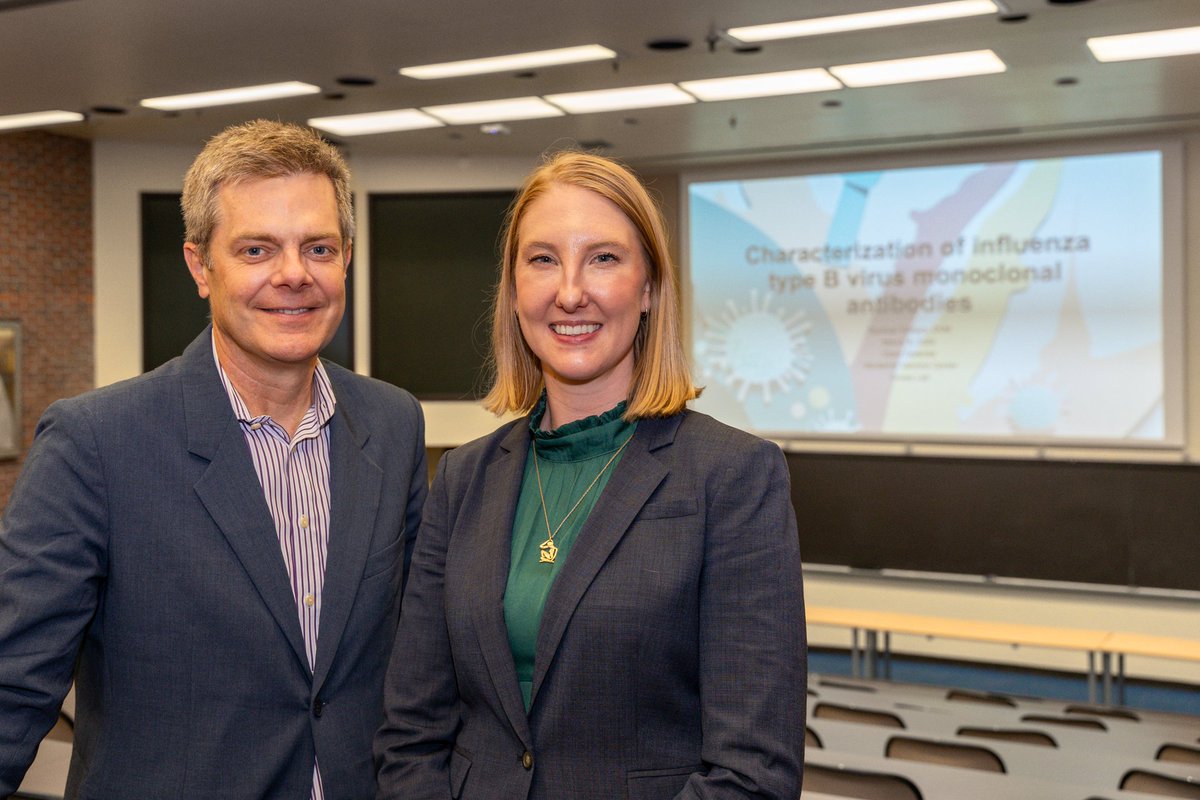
point(527, 760)
point(309, 600)
point(255, 426)
point(304, 521)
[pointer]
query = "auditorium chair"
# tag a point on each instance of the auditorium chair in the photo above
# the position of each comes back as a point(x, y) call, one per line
point(1103, 711)
point(946, 754)
point(811, 739)
point(1072, 722)
point(1017, 735)
point(859, 715)
point(1140, 780)
point(968, 696)
point(854, 687)
point(858, 783)
point(1179, 753)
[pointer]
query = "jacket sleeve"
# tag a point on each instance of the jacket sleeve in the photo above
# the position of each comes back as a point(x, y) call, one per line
point(421, 705)
point(752, 635)
point(53, 561)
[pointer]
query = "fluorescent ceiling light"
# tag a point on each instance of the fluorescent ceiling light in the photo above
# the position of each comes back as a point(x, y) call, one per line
point(662, 94)
point(224, 97)
point(867, 19)
point(764, 85)
point(1152, 44)
point(407, 119)
point(517, 61)
point(493, 111)
point(925, 68)
point(38, 119)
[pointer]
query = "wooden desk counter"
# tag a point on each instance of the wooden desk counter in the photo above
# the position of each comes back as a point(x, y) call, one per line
point(864, 658)
point(1122, 644)
point(1092, 642)
point(1140, 644)
point(952, 628)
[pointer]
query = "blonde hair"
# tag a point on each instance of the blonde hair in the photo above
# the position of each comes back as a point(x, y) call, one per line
point(259, 149)
point(662, 381)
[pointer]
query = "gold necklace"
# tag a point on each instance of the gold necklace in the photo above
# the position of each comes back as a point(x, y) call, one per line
point(547, 549)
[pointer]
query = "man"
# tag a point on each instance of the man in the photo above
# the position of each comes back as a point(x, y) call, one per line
point(216, 549)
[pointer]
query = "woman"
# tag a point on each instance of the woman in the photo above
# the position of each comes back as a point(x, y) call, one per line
point(605, 596)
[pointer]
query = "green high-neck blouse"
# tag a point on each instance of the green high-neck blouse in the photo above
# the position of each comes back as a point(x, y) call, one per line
point(569, 458)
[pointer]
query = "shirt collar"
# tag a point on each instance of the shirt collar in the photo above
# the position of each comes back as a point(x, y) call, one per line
point(321, 409)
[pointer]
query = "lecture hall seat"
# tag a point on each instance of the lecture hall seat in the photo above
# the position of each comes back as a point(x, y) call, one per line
point(862, 784)
point(854, 687)
point(1140, 780)
point(1071, 722)
point(1103, 711)
point(1015, 735)
point(946, 754)
point(968, 696)
point(1178, 753)
point(861, 716)
point(64, 729)
point(811, 739)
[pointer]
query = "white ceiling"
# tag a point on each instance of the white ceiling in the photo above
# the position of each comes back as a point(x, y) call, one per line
point(79, 54)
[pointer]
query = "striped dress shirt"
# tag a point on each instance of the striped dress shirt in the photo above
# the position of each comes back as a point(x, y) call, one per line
point(294, 475)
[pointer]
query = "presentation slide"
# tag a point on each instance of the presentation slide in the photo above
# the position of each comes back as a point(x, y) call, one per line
point(1013, 301)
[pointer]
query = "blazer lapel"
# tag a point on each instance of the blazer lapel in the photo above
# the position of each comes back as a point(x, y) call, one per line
point(636, 477)
point(354, 487)
point(229, 487)
point(492, 553)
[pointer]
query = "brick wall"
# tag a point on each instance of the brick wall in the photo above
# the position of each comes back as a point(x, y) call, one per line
point(46, 271)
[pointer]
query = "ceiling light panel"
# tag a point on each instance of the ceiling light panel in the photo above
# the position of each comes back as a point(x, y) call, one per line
point(925, 68)
point(887, 18)
point(407, 119)
point(225, 97)
point(38, 119)
point(493, 111)
point(653, 96)
point(763, 85)
point(1152, 44)
point(510, 63)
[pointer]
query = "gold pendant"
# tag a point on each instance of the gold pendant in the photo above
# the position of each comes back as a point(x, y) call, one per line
point(549, 552)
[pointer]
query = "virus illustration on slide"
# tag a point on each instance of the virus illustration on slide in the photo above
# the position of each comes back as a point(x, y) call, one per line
point(755, 347)
point(831, 421)
point(816, 411)
point(1035, 406)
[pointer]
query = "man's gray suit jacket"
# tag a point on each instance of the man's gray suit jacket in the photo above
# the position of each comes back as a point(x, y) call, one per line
point(137, 552)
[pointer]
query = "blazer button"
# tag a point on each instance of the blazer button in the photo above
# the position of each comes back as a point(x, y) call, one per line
point(318, 707)
point(527, 760)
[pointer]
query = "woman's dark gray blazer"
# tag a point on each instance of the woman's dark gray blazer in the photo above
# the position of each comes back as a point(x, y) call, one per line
point(671, 657)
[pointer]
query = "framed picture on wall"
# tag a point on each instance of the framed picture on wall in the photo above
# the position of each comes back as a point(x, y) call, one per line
point(10, 389)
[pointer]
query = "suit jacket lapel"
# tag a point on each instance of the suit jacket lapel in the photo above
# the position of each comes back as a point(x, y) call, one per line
point(355, 485)
point(229, 487)
point(636, 477)
point(489, 566)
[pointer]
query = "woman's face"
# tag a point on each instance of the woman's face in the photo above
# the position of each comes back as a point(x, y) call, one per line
point(582, 283)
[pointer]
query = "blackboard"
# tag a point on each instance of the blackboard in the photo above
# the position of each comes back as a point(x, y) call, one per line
point(1122, 524)
point(173, 314)
point(434, 260)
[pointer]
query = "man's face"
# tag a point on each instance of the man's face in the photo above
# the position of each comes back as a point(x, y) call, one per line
point(276, 274)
